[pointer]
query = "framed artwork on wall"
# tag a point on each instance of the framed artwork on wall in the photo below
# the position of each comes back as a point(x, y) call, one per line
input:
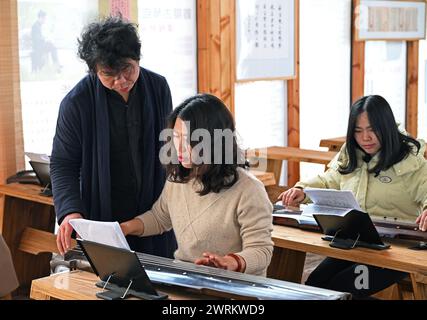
point(391, 20)
point(265, 39)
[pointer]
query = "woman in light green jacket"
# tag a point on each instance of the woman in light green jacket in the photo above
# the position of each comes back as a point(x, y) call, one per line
point(387, 172)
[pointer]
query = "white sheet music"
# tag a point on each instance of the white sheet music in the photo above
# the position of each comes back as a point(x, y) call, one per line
point(333, 198)
point(108, 233)
point(38, 157)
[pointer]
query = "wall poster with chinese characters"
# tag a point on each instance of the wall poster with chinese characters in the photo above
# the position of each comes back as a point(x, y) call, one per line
point(265, 39)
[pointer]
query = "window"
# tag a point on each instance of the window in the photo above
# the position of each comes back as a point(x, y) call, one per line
point(261, 115)
point(325, 59)
point(168, 30)
point(385, 74)
point(49, 67)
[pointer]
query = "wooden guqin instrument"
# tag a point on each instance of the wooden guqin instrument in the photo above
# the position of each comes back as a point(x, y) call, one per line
point(387, 228)
point(223, 283)
point(399, 229)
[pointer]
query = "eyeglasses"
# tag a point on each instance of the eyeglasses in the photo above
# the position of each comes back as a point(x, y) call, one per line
point(125, 73)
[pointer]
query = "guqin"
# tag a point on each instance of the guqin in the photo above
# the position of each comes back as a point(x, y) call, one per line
point(223, 283)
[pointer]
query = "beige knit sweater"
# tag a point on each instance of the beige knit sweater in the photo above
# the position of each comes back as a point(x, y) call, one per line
point(236, 220)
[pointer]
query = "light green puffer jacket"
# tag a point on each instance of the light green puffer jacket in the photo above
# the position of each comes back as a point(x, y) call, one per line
point(399, 192)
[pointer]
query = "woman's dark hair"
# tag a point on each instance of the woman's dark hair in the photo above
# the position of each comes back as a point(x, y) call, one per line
point(207, 112)
point(395, 146)
point(109, 43)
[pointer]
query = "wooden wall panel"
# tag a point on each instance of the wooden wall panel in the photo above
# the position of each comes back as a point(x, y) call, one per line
point(294, 109)
point(227, 34)
point(412, 88)
point(11, 137)
point(202, 45)
point(216, 49)
point(357, 58)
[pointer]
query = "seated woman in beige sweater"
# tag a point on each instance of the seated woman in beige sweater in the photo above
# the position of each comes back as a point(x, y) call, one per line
point(220, 213)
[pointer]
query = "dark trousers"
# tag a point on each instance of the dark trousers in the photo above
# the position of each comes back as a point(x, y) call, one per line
point(344, 276)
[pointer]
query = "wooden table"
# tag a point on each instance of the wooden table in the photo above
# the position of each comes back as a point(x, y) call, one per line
point(333, 144)
point(23, 210)
point(292, 244)
point(80, 285)
point(267, 178)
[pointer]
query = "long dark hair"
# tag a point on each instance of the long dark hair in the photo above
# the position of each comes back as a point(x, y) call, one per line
point(395, 146)
point(205, 111)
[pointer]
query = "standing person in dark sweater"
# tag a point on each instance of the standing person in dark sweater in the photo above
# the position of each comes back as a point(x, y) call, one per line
point(105, 160)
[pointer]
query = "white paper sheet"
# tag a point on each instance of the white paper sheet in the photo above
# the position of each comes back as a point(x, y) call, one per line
point(108, 233)
point(333, 198)
point(301, 219)
point(38, 157)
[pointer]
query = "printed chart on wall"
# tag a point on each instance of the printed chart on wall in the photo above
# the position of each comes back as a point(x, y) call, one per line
point(265, 39)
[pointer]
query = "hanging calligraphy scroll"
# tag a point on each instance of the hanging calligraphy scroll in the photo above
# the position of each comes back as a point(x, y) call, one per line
point(265, 39)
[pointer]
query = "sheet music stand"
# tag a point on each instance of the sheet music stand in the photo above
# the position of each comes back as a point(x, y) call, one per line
point(354, 229)
point(120, 272)
point(42, 171)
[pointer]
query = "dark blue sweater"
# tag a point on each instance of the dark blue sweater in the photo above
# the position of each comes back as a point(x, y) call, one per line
point(80, 161)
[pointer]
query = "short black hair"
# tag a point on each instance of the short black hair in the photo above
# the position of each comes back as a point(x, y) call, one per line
point(395, 146)
point(109, 43)
point(205, 111)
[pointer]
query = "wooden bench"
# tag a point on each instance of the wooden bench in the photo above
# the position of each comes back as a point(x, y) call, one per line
point(267, 178)
point(276, 155)
point(34, 241)
point(333, 144)
point(22, 207)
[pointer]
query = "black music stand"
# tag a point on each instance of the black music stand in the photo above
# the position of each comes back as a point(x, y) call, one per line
point(353, 229)
point(42, 171)
point(120, 272)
